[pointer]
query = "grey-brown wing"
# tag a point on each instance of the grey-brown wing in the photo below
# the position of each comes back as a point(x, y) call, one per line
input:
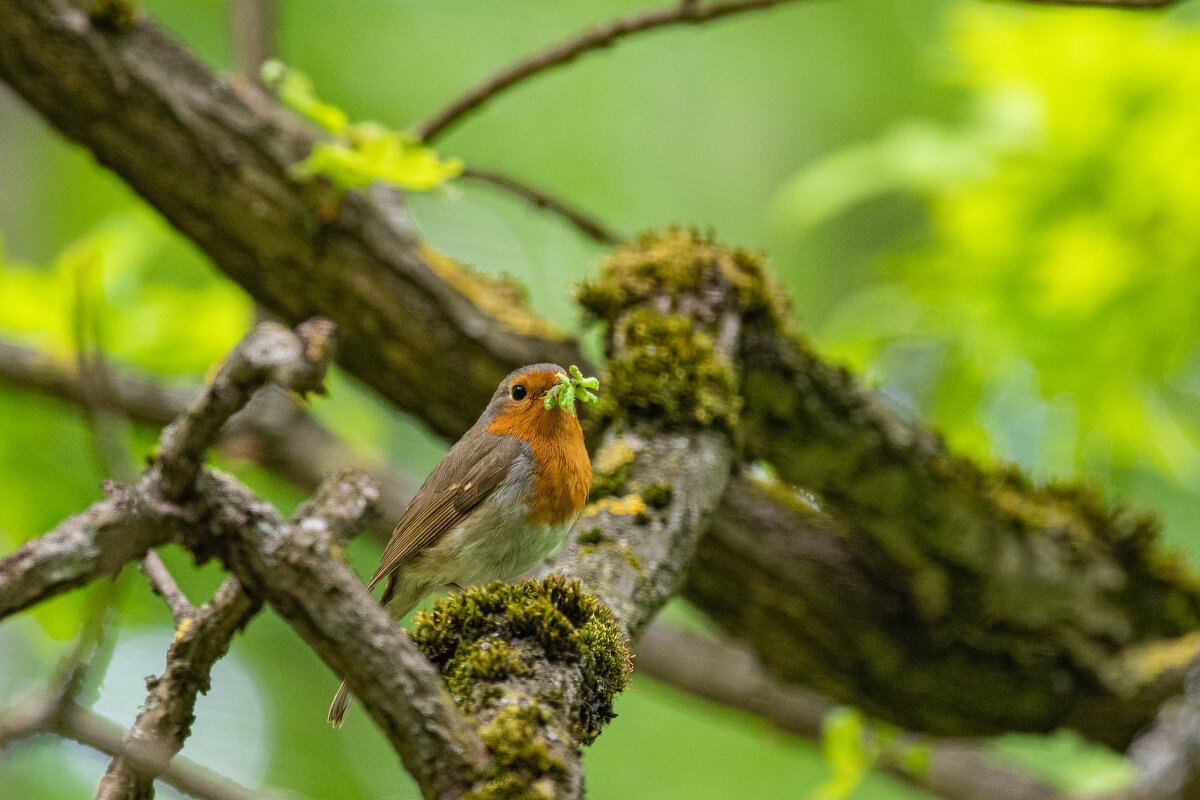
point(444, 500)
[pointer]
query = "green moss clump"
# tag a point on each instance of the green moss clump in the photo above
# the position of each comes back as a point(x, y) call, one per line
point(611, 469)
point(667, 372)
point(593, 536)
point(114, 16)
point(657, 495)
point(569, 625)
point(521, 757)
point(678, 262)
point(488, 660)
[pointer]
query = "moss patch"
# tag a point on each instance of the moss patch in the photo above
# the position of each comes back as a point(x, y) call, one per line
point(114, 16)
point(568, 624)
point(593, 536)
point(611, 468)
point(677, 262)
point(657, 495)
point(499, 297)
point(667, 372)
point(522, 758)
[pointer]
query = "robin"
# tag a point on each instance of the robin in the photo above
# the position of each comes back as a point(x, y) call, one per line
point(500, 501)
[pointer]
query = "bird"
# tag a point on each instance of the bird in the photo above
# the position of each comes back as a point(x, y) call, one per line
point(501, 500)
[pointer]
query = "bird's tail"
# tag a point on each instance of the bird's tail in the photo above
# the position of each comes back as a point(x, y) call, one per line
point(341, 702)
point(400, 597)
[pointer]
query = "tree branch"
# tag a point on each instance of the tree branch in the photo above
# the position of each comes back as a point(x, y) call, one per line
point(920, 524)
point(1167, 754)
point(215, 162)
point(36, 716)
point(731, 676)
point(162, 583)
point(587, 224)
point(166, 716)
point(595, 38)
point(288, 564)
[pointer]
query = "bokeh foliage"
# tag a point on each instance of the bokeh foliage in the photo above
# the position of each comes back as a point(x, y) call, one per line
point(989, 210)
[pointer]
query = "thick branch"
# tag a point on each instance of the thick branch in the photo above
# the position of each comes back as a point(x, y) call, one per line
point(293, 568)
point(215, 163)
point(923, 523)
point(945, 569)
point(596, 38)
point(89, 545)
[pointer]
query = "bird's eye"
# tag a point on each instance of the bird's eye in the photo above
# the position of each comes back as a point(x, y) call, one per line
point(518, 392)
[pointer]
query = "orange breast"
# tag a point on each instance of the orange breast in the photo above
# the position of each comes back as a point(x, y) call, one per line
point(563, 476)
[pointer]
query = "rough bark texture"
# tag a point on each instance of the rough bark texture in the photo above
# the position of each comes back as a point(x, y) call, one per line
point(354, 635)
point(292, 565)
point(540, 691)
point(95, 543)
point(166, 717)
point(949, 577)
point(215, 163)
point(978, 572)
point(343, 502)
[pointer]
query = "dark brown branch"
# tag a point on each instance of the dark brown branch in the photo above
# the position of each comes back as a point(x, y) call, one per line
point(215, 163)
point(731, 676)
point(587, 224)
point(35, 717)
point(595, 38)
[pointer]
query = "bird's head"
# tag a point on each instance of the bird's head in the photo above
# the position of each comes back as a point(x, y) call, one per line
point(537, 400)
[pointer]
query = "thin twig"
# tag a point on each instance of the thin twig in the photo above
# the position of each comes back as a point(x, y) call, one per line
point(165, 718)
point(273, 430)
point(163, 584)
point(587, 224)
point(591, 39)
point(252, 26)
point(35, 717)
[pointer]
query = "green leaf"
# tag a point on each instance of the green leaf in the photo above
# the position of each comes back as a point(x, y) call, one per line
point(295, 90)
point(843, 739)
point(360, 153)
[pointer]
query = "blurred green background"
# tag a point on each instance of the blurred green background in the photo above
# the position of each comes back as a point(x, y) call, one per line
point(992, 212)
